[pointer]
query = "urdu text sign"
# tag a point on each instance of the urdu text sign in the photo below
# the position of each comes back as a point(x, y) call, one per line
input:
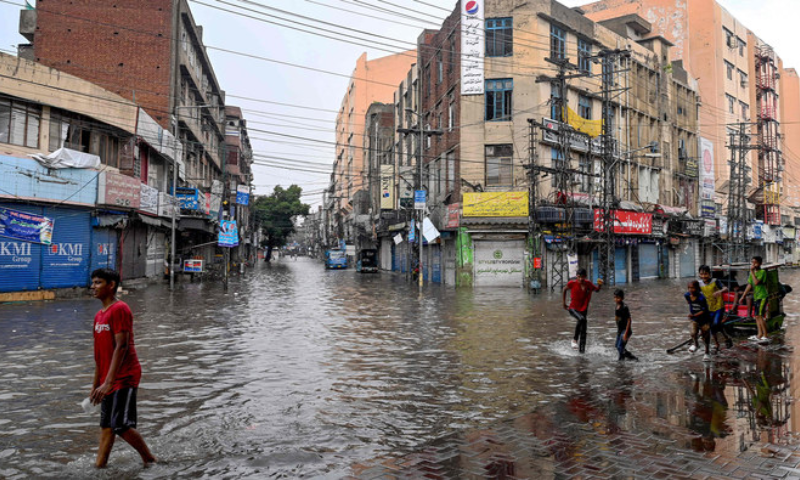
point(495, 204)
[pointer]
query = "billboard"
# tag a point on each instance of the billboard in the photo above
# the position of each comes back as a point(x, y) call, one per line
point(387, 187)
point(495, 204)
point(228, 234)
point(118, 190)
point(25, 226)
point(626, 222)
point(472, 47)
point(707, 170)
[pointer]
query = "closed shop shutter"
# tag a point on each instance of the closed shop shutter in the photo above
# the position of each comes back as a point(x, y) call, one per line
point(134, 252)
point(104, 249)
point(449, 261)
point(436, 264)
point(156, 252)
point(499, 263)
point(20, 262)
point(65, 263)
point(648, 260)
point(386, 254)
point(620, 266)
point(686, 254)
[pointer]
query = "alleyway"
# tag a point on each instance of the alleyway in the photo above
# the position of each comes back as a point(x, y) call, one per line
point(300, 372)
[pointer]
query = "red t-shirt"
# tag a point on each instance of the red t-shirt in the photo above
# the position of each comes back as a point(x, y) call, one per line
point(117, 318)
point(580, 294)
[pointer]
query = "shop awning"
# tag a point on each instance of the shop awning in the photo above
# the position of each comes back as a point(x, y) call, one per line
point(199, 224)
point(494, 221)
point(152, 221)
point(109, 220)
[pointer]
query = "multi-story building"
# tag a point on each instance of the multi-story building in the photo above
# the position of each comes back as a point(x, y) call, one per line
point(742, 84)
point(152, 53)
point(372, 81)
point(378, 151)
point(84, 181)
point(239, 176)
point(479, 165)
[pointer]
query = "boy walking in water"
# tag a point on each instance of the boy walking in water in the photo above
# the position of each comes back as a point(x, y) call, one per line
point(712, 289)
point(117, 370)
point(580, 291)
point(757, 281)
point(624, 327)
point(699, 316)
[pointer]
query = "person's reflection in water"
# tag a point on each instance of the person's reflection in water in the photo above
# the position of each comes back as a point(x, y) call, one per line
point(710, 410)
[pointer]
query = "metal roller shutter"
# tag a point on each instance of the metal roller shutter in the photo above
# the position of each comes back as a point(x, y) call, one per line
point(648, 260)
point(20, 262)
point(65, 263)
point(104, 249)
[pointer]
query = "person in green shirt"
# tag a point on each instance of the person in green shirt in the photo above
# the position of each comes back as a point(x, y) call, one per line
point(757, 281)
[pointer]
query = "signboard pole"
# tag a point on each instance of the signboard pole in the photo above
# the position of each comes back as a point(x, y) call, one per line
point(172, 232)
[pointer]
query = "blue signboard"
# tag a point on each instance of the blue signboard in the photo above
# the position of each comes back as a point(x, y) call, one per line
point(412, 233)
point(242, 195)
point(419, 199)
point(189, 198)
point(228, 234)
point(25, 226)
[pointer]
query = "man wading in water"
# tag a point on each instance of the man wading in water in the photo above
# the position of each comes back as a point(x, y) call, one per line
point(117, 370)
point(580, 292)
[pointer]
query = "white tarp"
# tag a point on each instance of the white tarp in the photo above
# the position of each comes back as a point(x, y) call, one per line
point(428, 230)
point(66, 158)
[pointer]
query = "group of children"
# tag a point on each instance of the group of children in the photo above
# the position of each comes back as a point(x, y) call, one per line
point(706, 312)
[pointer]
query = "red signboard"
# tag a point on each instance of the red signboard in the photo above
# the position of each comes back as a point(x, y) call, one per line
point(537, 263)
point(208, 203)
point(453, 215)
point(626, 222)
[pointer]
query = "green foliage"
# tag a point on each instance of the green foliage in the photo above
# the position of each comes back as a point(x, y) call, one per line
point(275, 214)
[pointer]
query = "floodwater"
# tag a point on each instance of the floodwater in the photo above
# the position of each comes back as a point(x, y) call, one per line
point(299, 372)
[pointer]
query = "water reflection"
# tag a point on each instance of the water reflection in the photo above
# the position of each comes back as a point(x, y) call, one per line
point(298, 371)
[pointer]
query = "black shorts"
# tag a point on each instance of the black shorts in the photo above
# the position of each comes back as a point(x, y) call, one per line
point(118, 410)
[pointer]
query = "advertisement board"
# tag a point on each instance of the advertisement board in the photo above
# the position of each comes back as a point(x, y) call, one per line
point(496, 204)
point(243, 195)
point(472, 47)
point(228, 234)
point(387, 187)
point(193, 266)
point(189, 198)
point(118, 190)
point(453, 215)
point(707, 170)
point(25, 226)
point(626, 222)
point(148, 199)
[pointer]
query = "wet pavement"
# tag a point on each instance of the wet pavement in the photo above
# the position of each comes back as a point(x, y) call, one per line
point(299, 372)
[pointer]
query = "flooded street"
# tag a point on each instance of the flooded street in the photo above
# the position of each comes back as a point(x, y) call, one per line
point(302, 372)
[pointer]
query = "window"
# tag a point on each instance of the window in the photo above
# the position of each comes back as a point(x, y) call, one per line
point(745, 110)
point(439, 68)
point(585, 166)
point(498, 99)
point(498, 164)
point(585, 107)
point(729, 68)
point(742, 78)
point(557, 163)
point(451, 55)
point(611, 120)
point(558, 42)
point(499, 37)
point(729, 38)
point(451, 171)
point(584, 52)
point(731, 103)
point(742, 45)
point(555, 104)
point(19, 123)
point(451, 117)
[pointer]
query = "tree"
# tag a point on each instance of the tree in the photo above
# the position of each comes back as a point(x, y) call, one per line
point(275, 214)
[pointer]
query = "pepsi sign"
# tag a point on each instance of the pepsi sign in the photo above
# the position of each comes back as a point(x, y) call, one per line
point(471, 7)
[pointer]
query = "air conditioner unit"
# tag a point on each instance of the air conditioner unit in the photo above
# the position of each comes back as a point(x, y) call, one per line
point(732, 43)
point(743, 83)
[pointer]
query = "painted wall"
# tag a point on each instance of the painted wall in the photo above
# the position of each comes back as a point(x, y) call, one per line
point(27, 179)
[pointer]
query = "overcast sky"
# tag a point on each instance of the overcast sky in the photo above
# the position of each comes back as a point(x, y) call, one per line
point(395, 23)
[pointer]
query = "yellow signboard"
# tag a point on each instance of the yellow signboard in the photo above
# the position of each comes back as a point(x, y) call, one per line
point(496, 204)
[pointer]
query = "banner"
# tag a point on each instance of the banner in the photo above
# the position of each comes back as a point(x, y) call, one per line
point(496, 204)
point(387, 187)
point(243, 195)
point(626, 222)
point(26, 226)
point(228, 234)
point(148, 199)
point(593, 128)
point(472, 47)
point(429, 232)
point(707, 170)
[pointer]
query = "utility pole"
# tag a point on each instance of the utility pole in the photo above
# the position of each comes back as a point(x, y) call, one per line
point(739, 143)
point(608, 246)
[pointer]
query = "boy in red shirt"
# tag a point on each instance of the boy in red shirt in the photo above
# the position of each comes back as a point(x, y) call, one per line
point(580, 294)
point(117, 370)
